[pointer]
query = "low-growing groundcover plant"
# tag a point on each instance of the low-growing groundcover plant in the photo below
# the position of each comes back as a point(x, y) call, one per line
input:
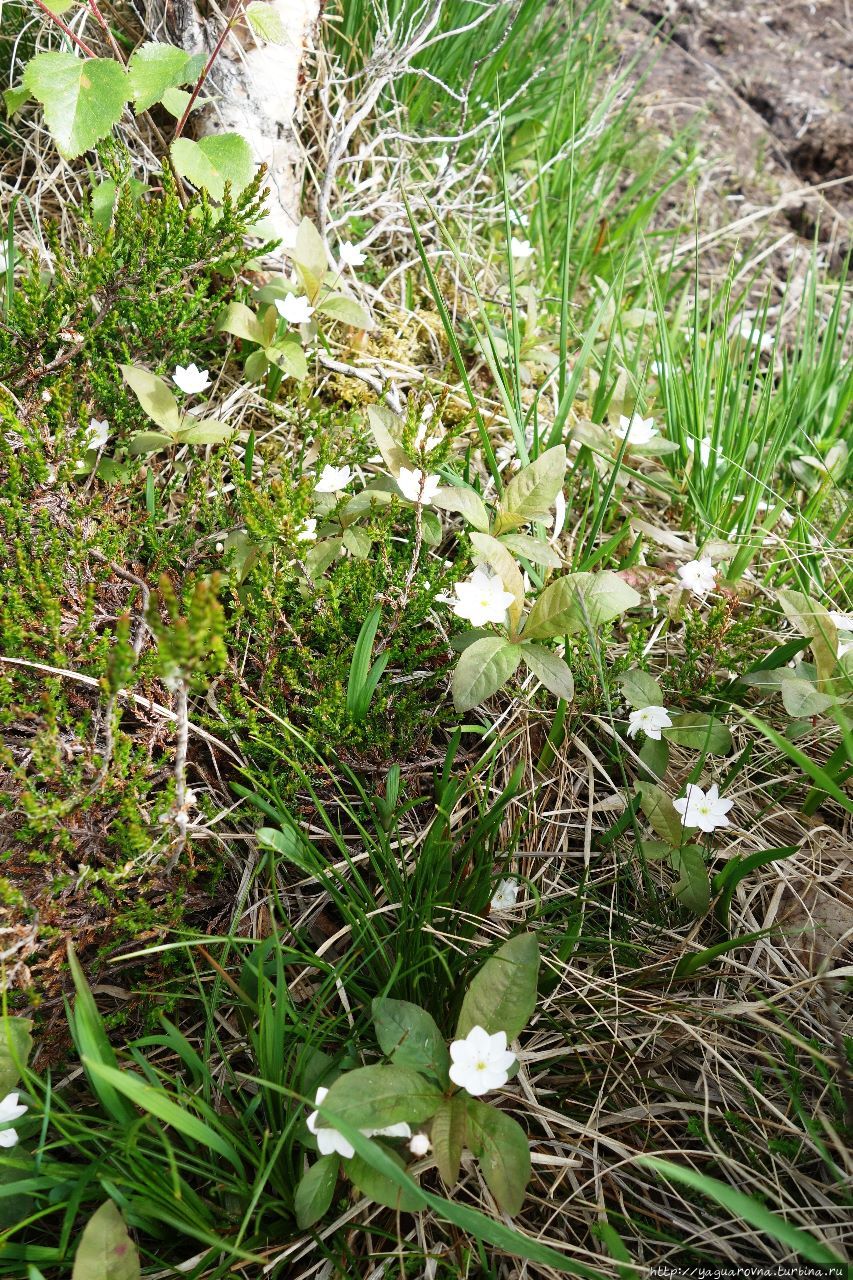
point(426, 654)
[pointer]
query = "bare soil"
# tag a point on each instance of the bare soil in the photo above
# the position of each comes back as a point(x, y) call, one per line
point(771, 86)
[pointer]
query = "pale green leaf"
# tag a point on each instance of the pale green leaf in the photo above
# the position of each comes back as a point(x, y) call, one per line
point(106, 1251)
point(15, 98)
point(287, 355)
point(641, 690)
point(176, 101)
point(205, 431)
point(550, 670)
point(448, 1136)
point(321, 555)
point(531, 494)
point(532, 549)
point(149, 442)
point(214, 161)
point(310, 258)
point(241, 321)
point(358, 542)
point(466, 502)
point(700, 732)
point(377, 1096)
point(82, 98)
point(153, 68)
point(483, 668)
point(577, 602)
point(315, 1190)
point(154, 397)
point(500, 561)
point(338, 306)
point(811, 619)
point(503, 1149)
point(801, 698)
point(386, 427)
point(408, 1035)
point(502, 996)
point(266, 22)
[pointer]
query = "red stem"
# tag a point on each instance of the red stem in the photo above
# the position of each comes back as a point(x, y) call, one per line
point(54, 17)
point(205, 71)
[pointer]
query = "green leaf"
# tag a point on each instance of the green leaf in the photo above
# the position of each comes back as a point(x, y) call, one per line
point(156, 1102)
point(93, 1045)
point(310, 258)
point(376, 1186)
point(214, 161)
point(359, 542)
point(471, 1221)
point(256, 366)
point(176, 102)
point(502, 996)
point(82, 98)
point(153, 68)
point(749, 1210)
point(315, 1190)
point(377, 1096)
point(531, 494)
point(577, 602)
point(409, 1036)
point(654, 753)
point(321, 555)
point(812, 620)
point(15, 98)
point(466, 502)
point(483, 668)
point(149, 442)
point(532, 549)
point(448, 1137)
point(641, 690)
point(16, 1044)
point(551, 670)
point(500, 560)
point(204, 431)
point(287, 355)
point(701, 732)
point(660, 811)
point(106, 1251)
point(501, 1146)
point(693, 887)
point(266, 22)
point(154, 397)
point(241, 321)
point(385, 426)
point(801, 698)
point(339, 306)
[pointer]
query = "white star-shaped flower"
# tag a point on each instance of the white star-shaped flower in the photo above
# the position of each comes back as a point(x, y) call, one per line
point(191, 379)
point(307, 531)
point(650, 720)
point(333, 479)
point(521, 248)
point(635, 429)
point(750, 331)
point(97, 434)
point(351, 256)
point(10, 1110)
point(705, 810)
point(481, 599)
point(841, 621)
point(294, 308)
point(698, 576)
point(505, 896)
point(480, 1062)
point(417, 487)
point(330, 1141)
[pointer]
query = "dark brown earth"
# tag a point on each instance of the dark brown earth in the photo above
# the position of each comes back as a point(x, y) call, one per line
point(774, 82)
